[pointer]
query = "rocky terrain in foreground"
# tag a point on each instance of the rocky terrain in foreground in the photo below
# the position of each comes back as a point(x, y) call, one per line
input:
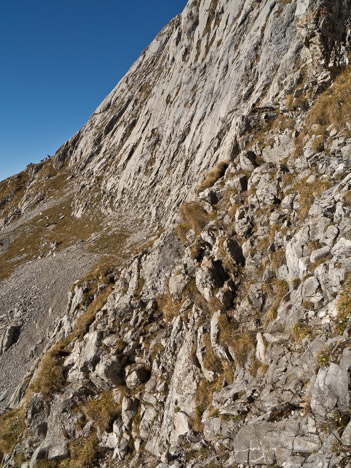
point(183, 263)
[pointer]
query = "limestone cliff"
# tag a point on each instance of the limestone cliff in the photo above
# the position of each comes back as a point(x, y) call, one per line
point(200, 223)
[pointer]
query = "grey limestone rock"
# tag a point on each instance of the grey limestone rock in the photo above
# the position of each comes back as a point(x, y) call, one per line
point(319, 254)
point(208, 336)
point(176, 284)
point(36, 416)
point(136, 375)
point(234, 250)
point(108, 372)
point(129, 409)
point(209, 276)
point(331, 390)
point(9, 337)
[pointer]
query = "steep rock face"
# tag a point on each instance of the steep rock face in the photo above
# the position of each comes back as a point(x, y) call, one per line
point(183, 104)
point(225, 339)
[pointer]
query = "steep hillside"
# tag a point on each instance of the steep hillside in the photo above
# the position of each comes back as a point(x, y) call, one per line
point(200, 224)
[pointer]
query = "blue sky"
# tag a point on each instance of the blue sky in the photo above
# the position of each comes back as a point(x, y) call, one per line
point(59, 59)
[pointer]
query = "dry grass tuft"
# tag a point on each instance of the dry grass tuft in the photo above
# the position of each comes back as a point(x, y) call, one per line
point(344, 308)
point(83, 453)
point(347, 198)
point(50, 377)
point(211, 16)
point(86, 319)
point(203, 400)
point(278, 259)
point(214, 175)
point(194, 216)
point(278, 289)
point(300, 331)
point(210, 361)
point(324, 357)
point(169, 308)
point(308, 193)
point(102, 411)
point(258, 368)
point(333, 107)
point(242, 343)
point(12, 427)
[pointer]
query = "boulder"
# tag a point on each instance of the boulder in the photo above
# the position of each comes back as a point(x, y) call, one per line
point(129, 409)
point(36, 415)
point(108, 372)
point(238, 183)
point(9, 337)
point(248, 161)
point(209, 276)
point(136, 375)
point(177, 284)
point(233, 249)
point(319, 254)
point(330, 391)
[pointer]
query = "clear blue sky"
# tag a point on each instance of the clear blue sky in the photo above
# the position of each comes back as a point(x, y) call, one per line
point(59, 59)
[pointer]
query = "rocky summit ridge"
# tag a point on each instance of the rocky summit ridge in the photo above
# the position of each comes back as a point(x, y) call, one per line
point(175, 281)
